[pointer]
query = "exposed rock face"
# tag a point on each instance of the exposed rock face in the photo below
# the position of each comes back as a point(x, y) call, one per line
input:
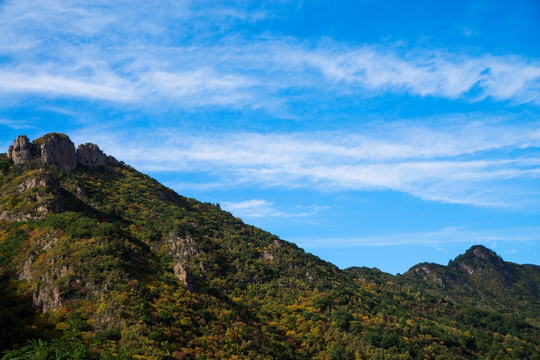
point(46, 294)
point(41, 191)
point(21, 150)
point(181, 249)
point(57, 149)
point(479, 259)
point(271, 252)
point(90, 155)
point(429, 272)
point(485, 253)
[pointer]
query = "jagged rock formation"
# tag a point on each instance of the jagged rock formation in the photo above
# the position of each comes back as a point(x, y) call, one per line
point(90, 155)
point(181, 249)
point(57, 149)
point(21, 151)
point(46, 294)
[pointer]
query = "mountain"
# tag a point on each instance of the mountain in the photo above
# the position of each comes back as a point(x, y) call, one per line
point(483, 279)
point(98, 260)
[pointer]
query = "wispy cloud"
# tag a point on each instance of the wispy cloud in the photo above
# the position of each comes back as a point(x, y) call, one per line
point(202, 87)
point(146, 55)
point(431, 73)
point(438, 237)
point(259, 208)
point(15, 124)
point(255, 208)
point(483, 163)
point(108, 88)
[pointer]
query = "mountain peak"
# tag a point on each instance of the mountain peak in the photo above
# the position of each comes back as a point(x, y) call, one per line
point(482, 252)
point(476, 259)
point(57, 149)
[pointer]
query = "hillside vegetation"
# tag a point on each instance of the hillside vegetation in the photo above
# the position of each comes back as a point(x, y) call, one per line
point(105, 262)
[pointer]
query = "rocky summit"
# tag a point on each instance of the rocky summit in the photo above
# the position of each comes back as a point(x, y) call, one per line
point(57, 149)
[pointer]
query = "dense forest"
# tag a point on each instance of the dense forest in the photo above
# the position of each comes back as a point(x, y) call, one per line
point(106, 263)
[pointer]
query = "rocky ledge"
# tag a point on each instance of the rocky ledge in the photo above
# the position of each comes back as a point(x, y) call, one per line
point(57, 149)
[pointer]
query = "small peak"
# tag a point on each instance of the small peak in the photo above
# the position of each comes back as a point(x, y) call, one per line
point(476, 259)
point(482, 252)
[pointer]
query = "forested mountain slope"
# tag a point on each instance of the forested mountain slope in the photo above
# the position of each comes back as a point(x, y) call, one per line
point(100, 261)
point(482, 279)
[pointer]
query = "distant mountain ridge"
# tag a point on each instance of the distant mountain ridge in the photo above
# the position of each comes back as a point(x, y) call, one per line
point(99, 260)
point(480, 271)
point(476, 260)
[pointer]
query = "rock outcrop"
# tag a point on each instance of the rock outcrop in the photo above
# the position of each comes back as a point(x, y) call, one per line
point(181, 249)
point(21, 150)
point(37, 194)
point(90, 155)
point(57, 149)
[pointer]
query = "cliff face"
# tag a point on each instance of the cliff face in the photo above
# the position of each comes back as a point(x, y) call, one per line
point(21, 150)
point(57, 149)
point(90, 155)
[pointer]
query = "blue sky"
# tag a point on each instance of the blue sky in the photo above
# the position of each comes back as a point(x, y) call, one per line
point(370, 133)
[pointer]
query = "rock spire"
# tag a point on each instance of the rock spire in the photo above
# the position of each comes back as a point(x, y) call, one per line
point(21, 150)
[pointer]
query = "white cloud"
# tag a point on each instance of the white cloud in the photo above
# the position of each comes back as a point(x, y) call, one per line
point(431, 73)
point(438, 237)
point(255, 208)
point(107, 87)
point(489, 163)
point(201, 87)
point(258, 208)
point(15, 124)
point(509, 78)
point(145, 54)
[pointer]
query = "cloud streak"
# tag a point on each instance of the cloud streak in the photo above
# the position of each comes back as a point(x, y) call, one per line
point(259, 208)
point(472, 162)
point(108, 88)
point(15, 124)
point(438, 237)
point(112, 52)
point(432, 73)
